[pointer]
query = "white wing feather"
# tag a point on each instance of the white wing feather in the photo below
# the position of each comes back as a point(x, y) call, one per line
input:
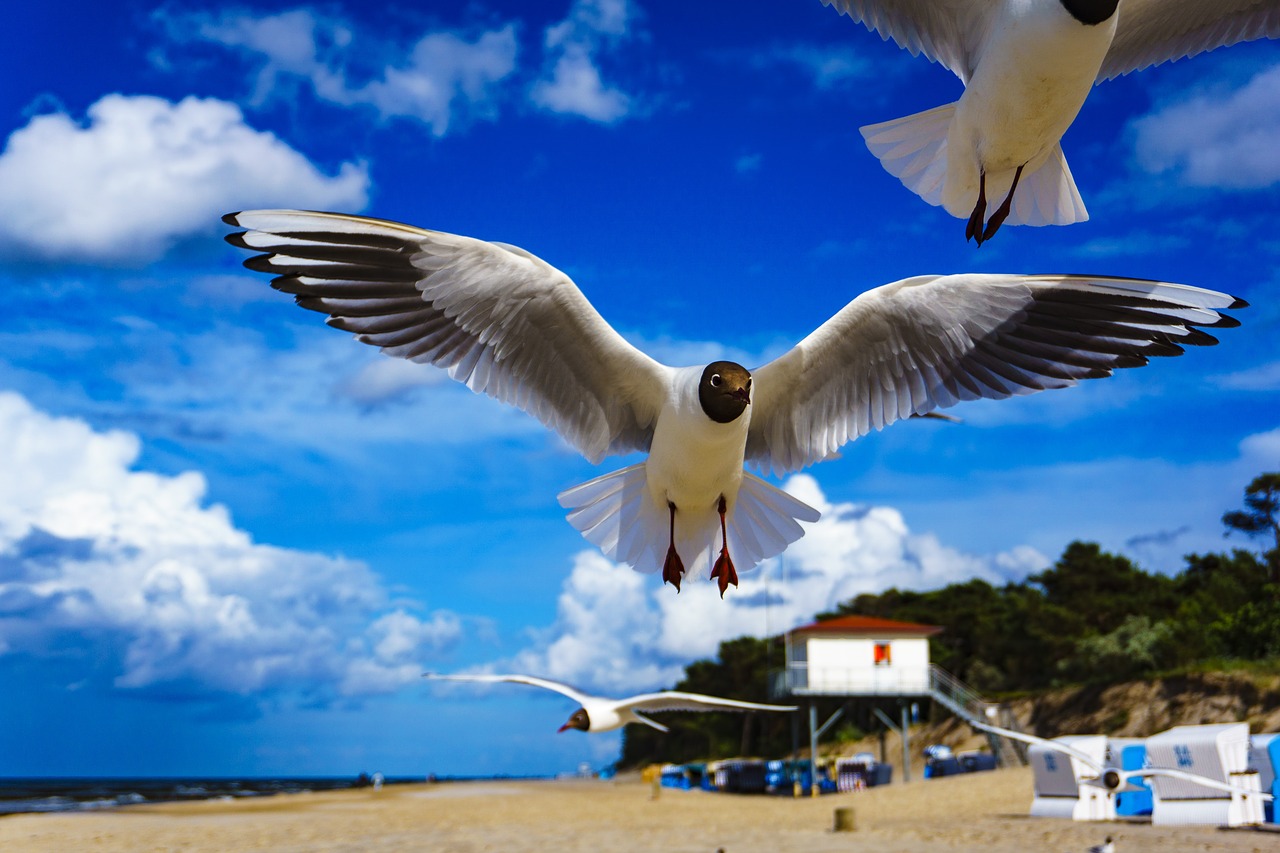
point(674, 700)
point(547, 684)
point(929, 342)
point(497, 318)
point(1149, 32)
point(950, 32)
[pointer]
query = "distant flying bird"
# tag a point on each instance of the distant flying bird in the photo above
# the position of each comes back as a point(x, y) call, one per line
point(1027, 67)
point(599, 714)
point(512, 326)
point(1113, 779)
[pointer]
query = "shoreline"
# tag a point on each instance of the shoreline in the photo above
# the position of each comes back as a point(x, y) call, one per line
point(986, 811)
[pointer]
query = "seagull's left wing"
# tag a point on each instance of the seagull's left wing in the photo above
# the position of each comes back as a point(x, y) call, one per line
point(674, 700)
point(1184, 776)
point(497, 318)
point(929, 342)
point(1149, 32)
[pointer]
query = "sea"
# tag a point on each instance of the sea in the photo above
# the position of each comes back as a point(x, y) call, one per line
point(22, 796)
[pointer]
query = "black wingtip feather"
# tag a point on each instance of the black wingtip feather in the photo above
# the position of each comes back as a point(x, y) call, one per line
point(230, 218)
point(1239, 303)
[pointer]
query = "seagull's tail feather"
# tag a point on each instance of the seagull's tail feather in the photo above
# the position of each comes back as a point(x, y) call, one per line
point(765, 521)
point(616, 514)
point(914, 149)
point(1047, 196)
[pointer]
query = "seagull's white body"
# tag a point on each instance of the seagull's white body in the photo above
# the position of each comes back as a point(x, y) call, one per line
point(605, 715)
point(1028, 67)
point(510, 325)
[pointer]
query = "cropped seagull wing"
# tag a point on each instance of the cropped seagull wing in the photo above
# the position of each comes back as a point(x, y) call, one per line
point(1056, 746)
point(672, 700)
point(950, 32)
point(515, 679)
point(929, 342)
point(498, 319)
point(1149, 32)
point(1170, 773)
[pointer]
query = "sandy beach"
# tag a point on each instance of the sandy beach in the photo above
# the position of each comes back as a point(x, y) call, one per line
point(986, 812)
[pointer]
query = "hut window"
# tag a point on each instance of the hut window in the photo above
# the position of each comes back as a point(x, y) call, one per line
point(882, 656)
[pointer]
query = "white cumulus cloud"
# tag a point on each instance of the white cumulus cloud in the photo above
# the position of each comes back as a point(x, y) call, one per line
point(572, 83)
point(142, 173)
point(442, 79)
point(1214, 138)
point(617, 632)
point(97, 554)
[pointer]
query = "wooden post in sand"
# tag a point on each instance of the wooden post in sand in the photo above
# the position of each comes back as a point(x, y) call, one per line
point(844, 820)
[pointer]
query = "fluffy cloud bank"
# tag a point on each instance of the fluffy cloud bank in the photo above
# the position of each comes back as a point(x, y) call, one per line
point(97, 555)
point(141, 173)
point(616, 632)
point(445, 78)
point(1216, 139)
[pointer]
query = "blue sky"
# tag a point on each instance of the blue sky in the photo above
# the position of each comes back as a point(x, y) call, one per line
point(231, 539)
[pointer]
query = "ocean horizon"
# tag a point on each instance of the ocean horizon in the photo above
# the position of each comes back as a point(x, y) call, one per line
point(28, 795)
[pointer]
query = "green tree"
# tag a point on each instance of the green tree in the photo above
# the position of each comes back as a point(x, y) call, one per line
point(1262, 499)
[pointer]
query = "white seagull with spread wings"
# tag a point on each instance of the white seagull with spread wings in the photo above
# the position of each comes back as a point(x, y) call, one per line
point(1114, 779)
point(1027, 67)
point(599, 714)
point(512, 326)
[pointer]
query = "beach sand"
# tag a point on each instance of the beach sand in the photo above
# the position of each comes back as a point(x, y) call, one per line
point(986, 811)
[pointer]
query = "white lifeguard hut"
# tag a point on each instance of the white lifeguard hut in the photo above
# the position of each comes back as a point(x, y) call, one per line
point(1217, 752)
point(859, 656)
point(1060, 789)
point(866, 657)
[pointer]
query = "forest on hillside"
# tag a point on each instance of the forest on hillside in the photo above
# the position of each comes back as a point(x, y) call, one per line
point(1092, 617)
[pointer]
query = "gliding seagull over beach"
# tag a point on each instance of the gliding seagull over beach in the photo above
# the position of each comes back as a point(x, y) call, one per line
point(1111, 778)
point(508, 324)
point(1027, 67)
point(599, 714)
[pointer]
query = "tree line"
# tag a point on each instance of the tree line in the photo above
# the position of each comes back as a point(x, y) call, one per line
point(1092, 617)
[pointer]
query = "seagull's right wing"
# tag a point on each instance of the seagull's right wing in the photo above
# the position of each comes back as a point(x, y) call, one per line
point(674, 700)
point(929, 342)
point(534, 681)
point(497, 318)
point(1056, 746)
point(950, 32)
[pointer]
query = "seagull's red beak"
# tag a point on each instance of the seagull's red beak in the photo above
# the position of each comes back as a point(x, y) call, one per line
point(742, 394)
point(563, 728)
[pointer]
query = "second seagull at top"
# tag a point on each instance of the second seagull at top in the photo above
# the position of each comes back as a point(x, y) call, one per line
point(1027, 67)
point(508, 324)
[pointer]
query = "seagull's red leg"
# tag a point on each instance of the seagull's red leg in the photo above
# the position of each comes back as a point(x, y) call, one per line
point(974, 228)
point(997, 218)
point(672, 568)
point(724, 566)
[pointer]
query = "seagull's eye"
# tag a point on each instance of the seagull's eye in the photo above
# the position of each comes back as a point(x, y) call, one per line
point(716, 380)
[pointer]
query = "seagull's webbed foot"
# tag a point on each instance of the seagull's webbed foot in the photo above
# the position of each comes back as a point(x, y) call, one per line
point(723, 568)
point(725, 571)
point(1002, 212)
point(974, 227)
point(673, 566)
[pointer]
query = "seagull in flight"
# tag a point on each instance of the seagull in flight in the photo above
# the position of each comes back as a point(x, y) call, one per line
point(599, 714)
point(508, 324)
point(1027, 67)
point(1112, 779)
